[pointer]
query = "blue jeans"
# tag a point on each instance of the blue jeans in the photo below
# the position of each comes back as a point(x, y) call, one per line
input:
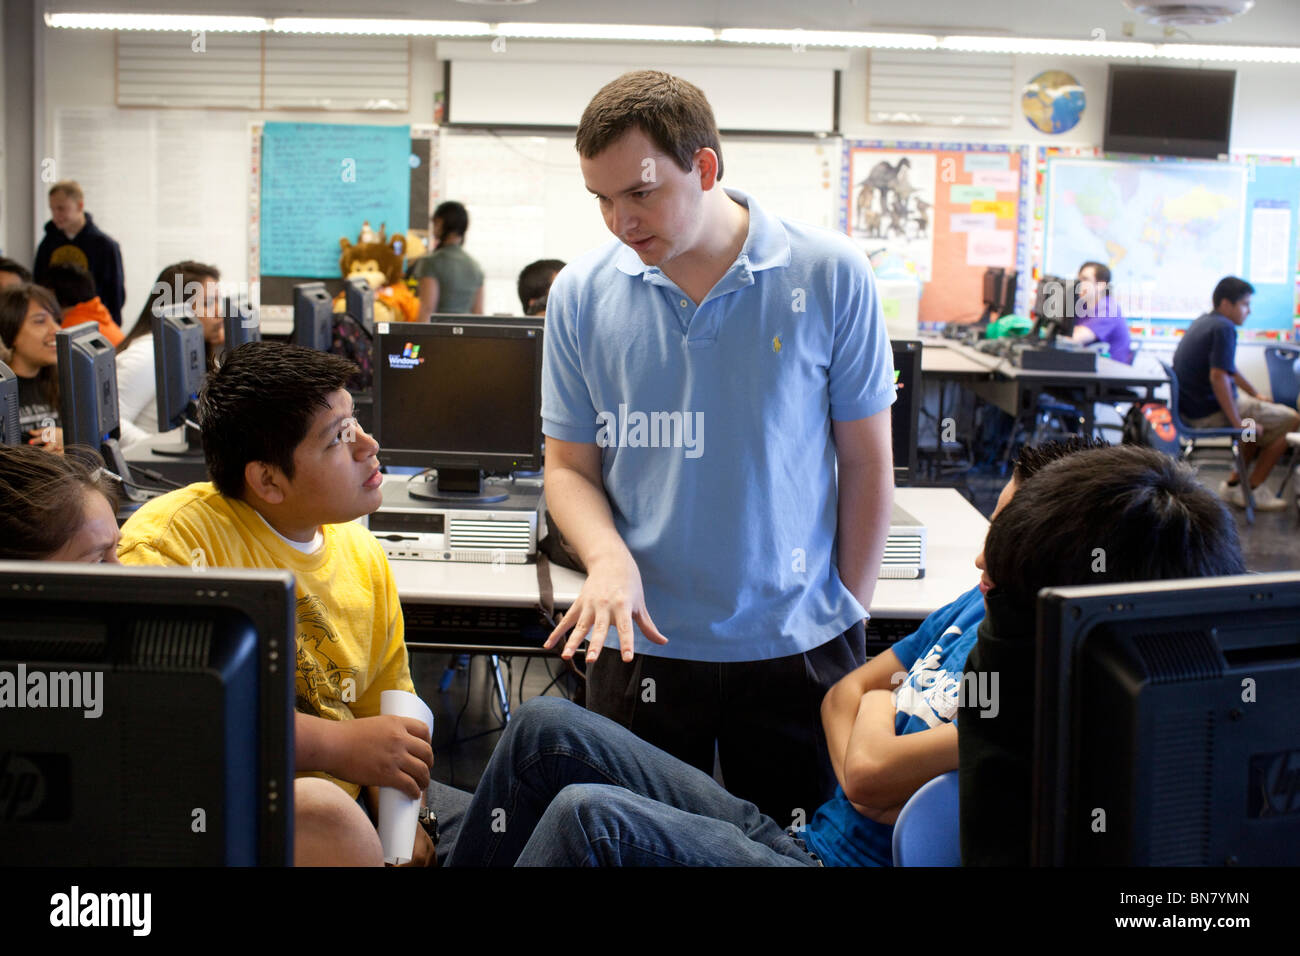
point(566, 787)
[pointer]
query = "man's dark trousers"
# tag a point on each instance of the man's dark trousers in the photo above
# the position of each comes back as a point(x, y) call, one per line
point(765, 717)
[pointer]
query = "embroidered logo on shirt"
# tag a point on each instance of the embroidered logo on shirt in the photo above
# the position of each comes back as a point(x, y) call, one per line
point(776, 344)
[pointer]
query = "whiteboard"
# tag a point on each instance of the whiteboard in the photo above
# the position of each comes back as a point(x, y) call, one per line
point(522, 92)
point(527, 201)
point(168, 185)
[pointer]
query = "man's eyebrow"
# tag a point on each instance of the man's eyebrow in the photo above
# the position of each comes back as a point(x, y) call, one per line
point(631, 189)
point(334, 423)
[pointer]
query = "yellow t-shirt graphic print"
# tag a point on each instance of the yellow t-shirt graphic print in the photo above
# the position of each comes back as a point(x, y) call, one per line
point(350, 634)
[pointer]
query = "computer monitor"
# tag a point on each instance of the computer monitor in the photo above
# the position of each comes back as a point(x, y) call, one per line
point(10, 431)
point(1165, 723)
point(463, 398)
point(88, 403)
point(992, 291)
point(907, 408)
point(163, 730)
point(359, 302)
point(313, 317)
point(242, 323)
point(180, 363)
point(1056, 303)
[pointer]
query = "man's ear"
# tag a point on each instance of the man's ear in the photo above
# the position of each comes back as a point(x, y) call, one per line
point(706, 160)
point(265, 482)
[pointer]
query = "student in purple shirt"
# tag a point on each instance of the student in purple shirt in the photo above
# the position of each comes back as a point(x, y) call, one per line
point(1098, 315)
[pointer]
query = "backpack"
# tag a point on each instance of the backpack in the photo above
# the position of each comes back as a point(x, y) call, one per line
point(352, 341)
point(1151, 424)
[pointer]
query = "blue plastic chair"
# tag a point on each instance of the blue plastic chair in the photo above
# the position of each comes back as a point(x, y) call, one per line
point(1284, 382)
point(928, 830)
point(1283, 374)
point(1192, 435)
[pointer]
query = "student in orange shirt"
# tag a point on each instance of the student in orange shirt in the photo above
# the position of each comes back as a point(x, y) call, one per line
point(74, 287)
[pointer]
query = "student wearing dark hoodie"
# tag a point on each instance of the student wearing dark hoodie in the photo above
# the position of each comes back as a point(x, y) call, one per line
point(72, 238)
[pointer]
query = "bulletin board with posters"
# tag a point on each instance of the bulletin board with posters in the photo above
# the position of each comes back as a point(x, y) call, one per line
point(941, 213)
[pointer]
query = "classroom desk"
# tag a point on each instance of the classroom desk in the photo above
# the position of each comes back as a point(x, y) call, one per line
point(1016, 390)
point(435, 593)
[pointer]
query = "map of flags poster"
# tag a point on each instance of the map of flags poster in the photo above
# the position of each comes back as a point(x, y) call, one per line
point(938, 213)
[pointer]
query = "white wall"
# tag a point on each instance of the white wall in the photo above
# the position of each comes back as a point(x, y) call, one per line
point(80, 72)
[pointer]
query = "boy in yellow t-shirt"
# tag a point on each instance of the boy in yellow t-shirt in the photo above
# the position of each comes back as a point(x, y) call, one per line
point(291, 470)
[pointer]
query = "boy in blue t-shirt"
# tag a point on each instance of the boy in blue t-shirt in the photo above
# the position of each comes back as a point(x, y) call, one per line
point(579, 789)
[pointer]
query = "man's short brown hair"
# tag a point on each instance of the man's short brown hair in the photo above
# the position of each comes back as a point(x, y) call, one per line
point(674, 114)
point(70, 188)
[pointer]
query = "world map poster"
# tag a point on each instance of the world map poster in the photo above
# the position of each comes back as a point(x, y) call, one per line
point(1168, 231)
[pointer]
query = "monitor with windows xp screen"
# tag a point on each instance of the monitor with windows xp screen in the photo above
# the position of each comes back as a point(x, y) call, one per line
point(10, 432)
point(463, 398)
point(156, 723)
point(905, 414)
point(1165, 728)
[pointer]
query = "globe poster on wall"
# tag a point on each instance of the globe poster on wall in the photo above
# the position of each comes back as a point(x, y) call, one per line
point(1053, 102)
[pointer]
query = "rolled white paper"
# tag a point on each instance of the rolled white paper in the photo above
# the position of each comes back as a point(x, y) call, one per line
point(399, 815)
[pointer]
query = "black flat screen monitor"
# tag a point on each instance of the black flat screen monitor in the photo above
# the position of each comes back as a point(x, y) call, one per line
point(10, 431)
point(1056, 303)
point(180, 359)
point(242, 323)
point(1169, 112)
point(999, 293)
point(359, 302)
point(88, 402)
point(464, 398)
point(313, 317)
point(156, 725)
point(1166, 729)
point(88, 406)
point(907, 408)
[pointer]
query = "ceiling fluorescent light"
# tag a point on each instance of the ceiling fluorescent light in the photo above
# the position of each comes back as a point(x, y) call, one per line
point(399, 28)
point(604, 31)
point(1228, 54)
point(831, 38)
point(184, 22)
point(1045, 47)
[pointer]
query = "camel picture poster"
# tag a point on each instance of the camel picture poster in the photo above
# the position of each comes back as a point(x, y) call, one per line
point(891, 208)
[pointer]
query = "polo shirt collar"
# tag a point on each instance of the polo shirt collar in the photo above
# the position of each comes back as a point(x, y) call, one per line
point(766, 246)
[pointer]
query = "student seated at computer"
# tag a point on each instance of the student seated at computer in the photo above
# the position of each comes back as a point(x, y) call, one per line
point(63, 508)
point(13, 273)
point(535, 284)
point(291, 470)
point(56, 507)
point(1098, 318)
point(74, 288)
point(137, 391)
point(29, 319)
point(1206, 365)
point(1107, 516)
point(570, 780)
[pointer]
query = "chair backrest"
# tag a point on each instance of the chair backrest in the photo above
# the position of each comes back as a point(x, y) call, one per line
point(1283, 375)
point(928, 830)
point(1173, 394)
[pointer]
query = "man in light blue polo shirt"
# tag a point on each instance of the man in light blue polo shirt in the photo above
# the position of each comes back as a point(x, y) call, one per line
point(706, 377)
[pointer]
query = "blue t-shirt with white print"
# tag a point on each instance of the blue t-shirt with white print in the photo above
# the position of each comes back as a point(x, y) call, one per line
point(935, 657)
